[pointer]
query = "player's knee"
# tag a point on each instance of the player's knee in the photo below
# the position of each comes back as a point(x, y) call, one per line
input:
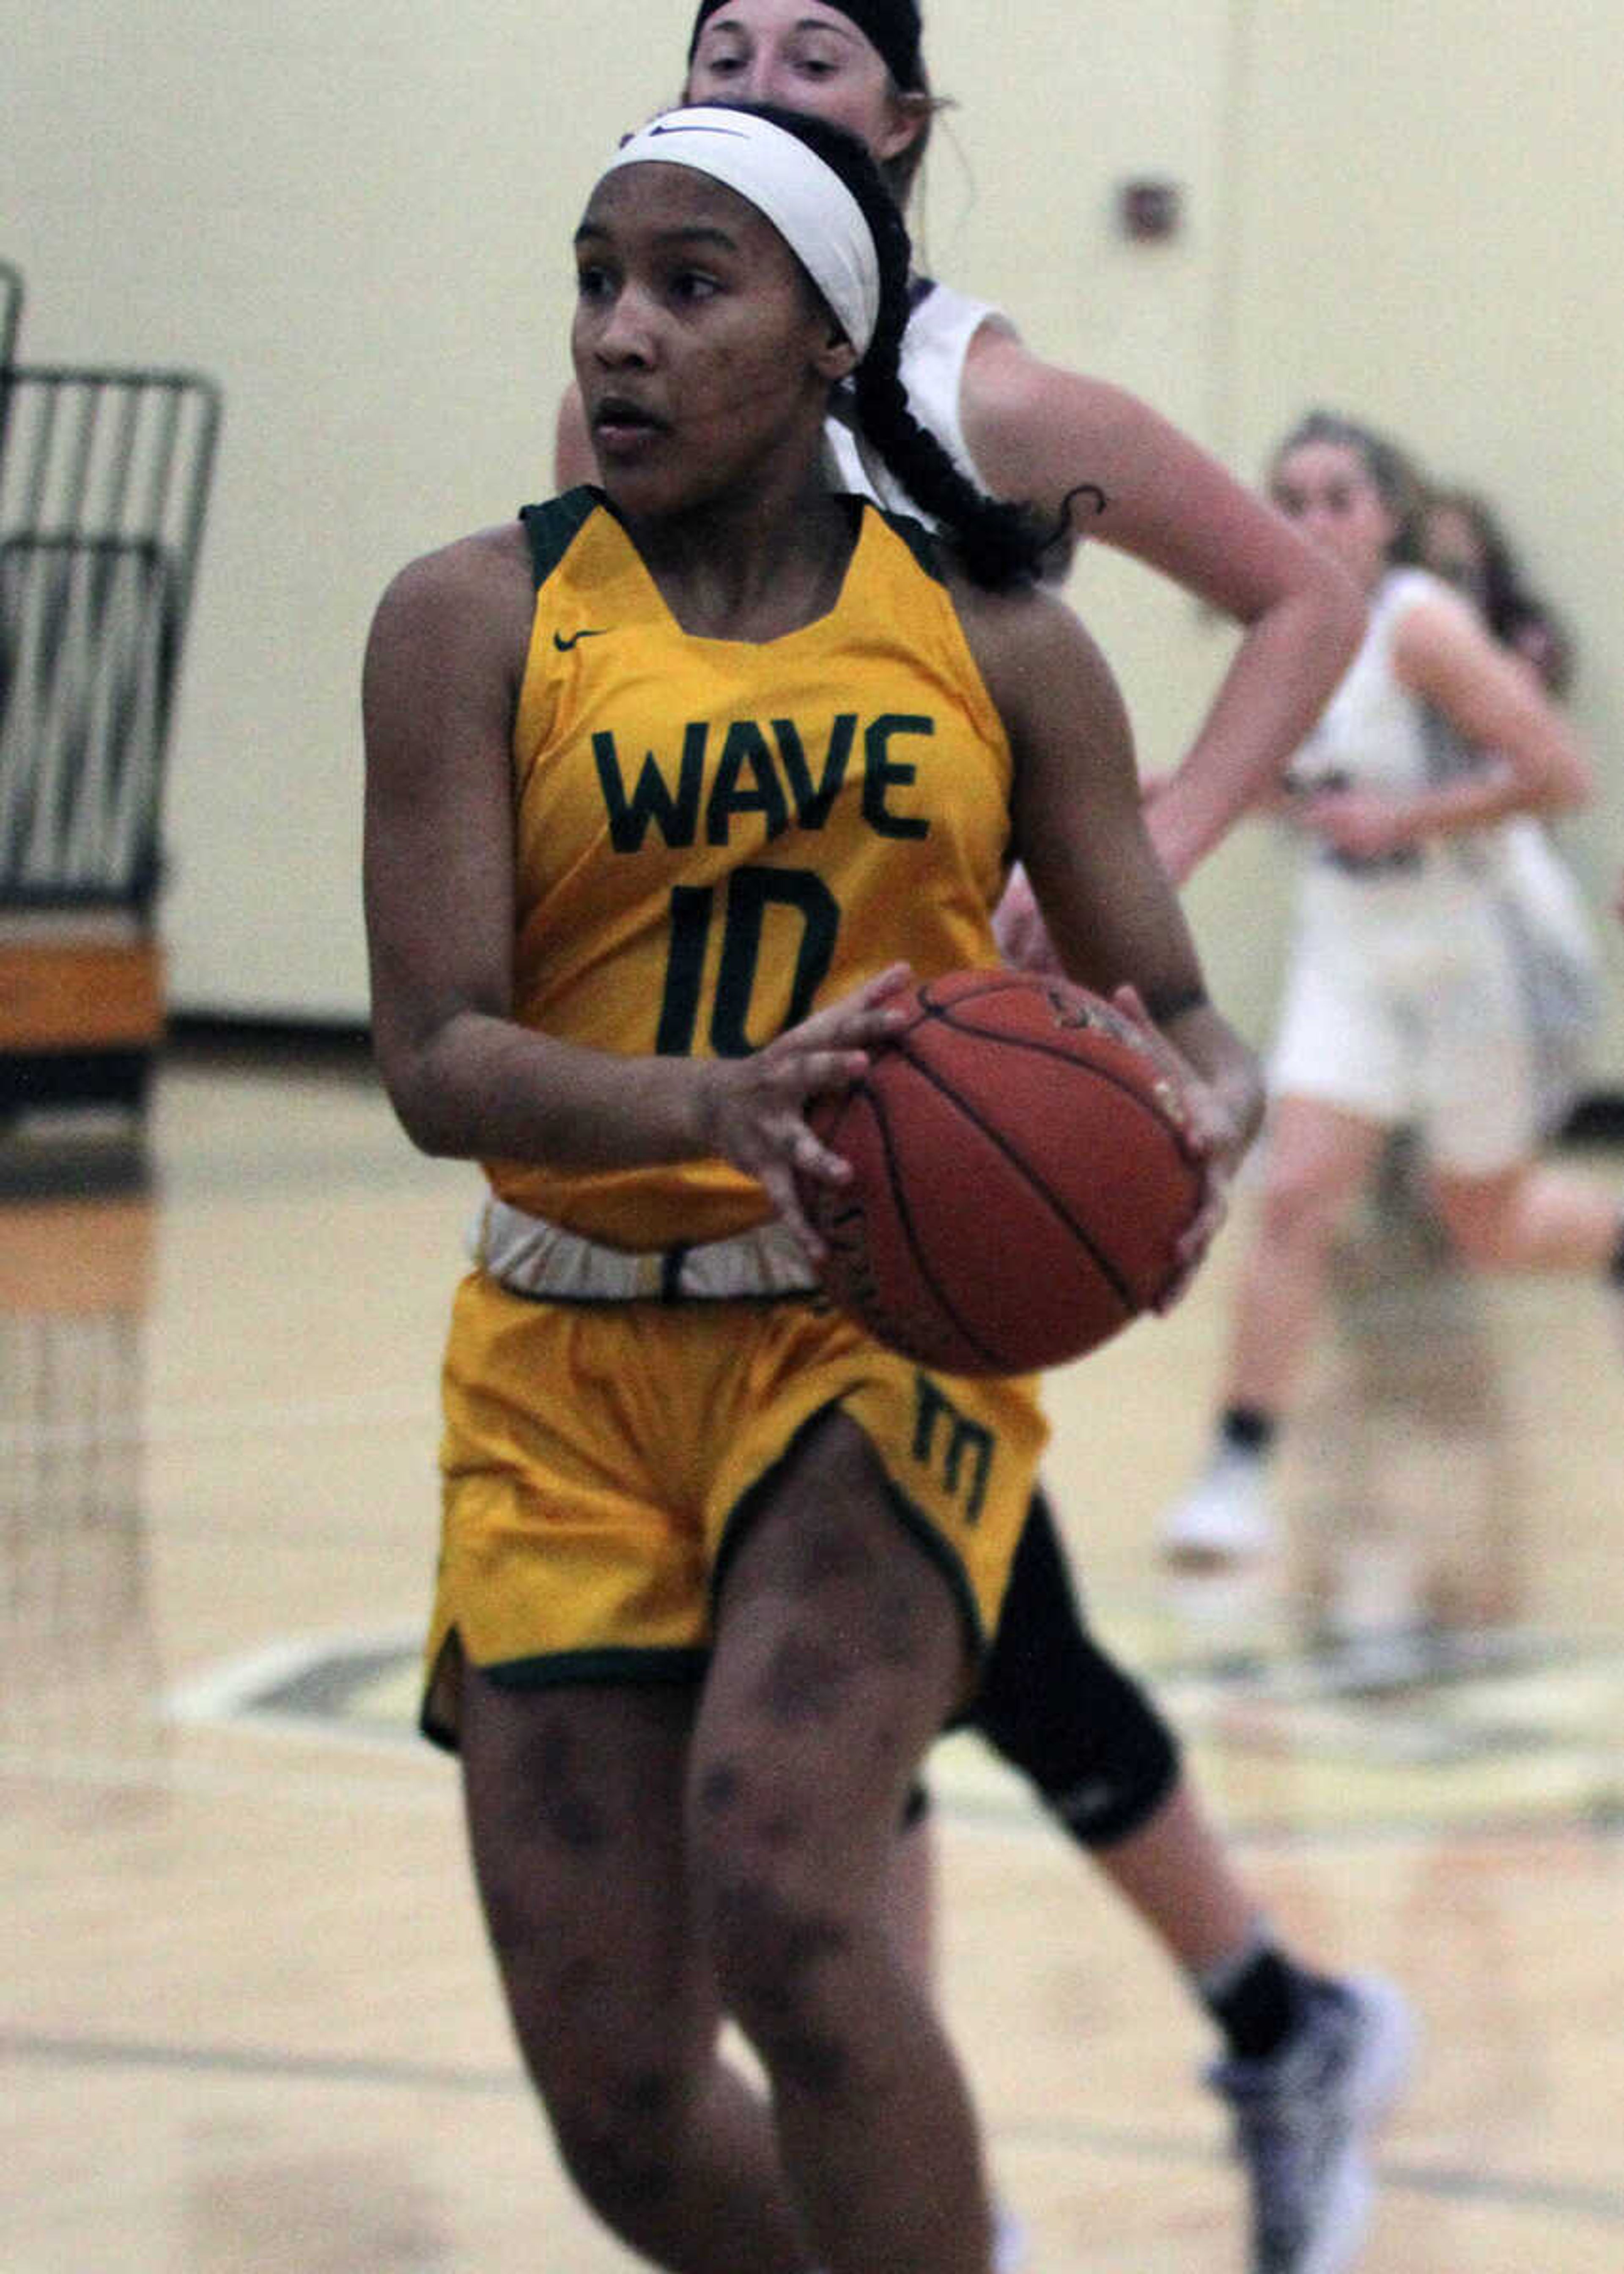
point(1485, 1230)
point(1102, 1758)
point(779, 1952)
point(614, 2069)
point(1059, 1709)
point(1484, 1245)
point(619, 2134)
point(1138, 1766)
point(612, 2063)
point(777, 1925)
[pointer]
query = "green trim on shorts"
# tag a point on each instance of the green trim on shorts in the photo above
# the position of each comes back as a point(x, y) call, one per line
point(684, 1662)
point(915, 1521)
point(909, 1515)
point(675, 1665)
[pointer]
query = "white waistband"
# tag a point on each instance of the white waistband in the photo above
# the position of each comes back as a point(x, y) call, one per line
point(533, 1257)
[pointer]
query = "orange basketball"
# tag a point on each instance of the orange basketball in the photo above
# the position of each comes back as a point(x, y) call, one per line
point(1022, 1177)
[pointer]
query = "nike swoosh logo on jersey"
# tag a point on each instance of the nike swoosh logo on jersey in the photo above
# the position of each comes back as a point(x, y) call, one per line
point(592, 631)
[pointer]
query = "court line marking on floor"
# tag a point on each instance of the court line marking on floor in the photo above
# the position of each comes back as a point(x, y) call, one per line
point(231, 1691)
point(435, 1790)
point(1456, 2183)
point(355, 1690)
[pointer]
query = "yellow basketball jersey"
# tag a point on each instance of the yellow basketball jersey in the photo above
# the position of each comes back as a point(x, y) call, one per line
point(716, 837)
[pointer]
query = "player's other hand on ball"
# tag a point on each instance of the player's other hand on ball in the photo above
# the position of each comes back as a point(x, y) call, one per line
point(753, 1108)
point(1216, 1138)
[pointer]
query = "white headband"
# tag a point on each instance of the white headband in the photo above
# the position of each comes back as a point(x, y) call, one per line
point(805, 200)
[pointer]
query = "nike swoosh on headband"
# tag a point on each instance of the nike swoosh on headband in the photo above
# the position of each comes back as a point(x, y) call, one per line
point(802, 195)
point(735, 133)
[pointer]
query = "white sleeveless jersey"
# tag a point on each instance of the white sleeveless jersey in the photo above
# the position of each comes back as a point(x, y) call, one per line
point(941, 323)
point(1374, 734)
point(1404, 999)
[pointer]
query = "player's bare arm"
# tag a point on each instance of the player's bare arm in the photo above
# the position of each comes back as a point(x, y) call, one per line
point(442, 681)
point(1040, 433)
point(1079, 828)
point(440, 685)
point(1441, 650)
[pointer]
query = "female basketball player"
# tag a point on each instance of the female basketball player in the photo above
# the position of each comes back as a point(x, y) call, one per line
point(1402, 1003)
point(1308, 2060)
point(666, 788)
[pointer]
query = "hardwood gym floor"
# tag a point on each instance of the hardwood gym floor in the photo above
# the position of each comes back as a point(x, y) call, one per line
point(249, 2020)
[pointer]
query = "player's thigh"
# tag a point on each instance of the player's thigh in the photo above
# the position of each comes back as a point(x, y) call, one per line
point(574, 1796)
point(840, 1649)
point(1318, 1155)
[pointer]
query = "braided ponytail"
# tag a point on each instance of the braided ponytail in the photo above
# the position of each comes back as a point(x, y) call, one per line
point(999, 545)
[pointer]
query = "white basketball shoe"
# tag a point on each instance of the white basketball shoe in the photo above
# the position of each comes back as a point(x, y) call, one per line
point(1224, 1519)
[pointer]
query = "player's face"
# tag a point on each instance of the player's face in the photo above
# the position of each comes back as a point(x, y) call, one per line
point(1326, 489)
point(807, 57)
point(703, 356)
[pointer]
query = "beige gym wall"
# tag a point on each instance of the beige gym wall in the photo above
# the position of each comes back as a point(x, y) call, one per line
point(356, 218)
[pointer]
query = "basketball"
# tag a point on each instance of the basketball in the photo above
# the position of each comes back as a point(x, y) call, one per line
point(1021, 1177)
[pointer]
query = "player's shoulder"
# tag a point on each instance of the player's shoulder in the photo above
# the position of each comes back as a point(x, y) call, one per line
point(1408, 587)
point(480, 563)
point(1426, 618)
point(1008, 385)
point(474, 593)
point(1026, 621)
point(1031, 648)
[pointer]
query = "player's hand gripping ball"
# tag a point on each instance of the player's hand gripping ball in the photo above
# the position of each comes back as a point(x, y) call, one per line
point(1022, 1177)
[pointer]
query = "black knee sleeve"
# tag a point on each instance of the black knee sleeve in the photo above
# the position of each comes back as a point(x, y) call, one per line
point(1060, 1711)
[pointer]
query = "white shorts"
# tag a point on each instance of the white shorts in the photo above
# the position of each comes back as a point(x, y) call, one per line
point(1403, 1005)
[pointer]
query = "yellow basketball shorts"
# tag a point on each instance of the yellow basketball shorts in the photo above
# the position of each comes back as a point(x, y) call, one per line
point(595, 1456)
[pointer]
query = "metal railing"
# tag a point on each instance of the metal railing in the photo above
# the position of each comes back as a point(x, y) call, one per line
point(104, 485)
